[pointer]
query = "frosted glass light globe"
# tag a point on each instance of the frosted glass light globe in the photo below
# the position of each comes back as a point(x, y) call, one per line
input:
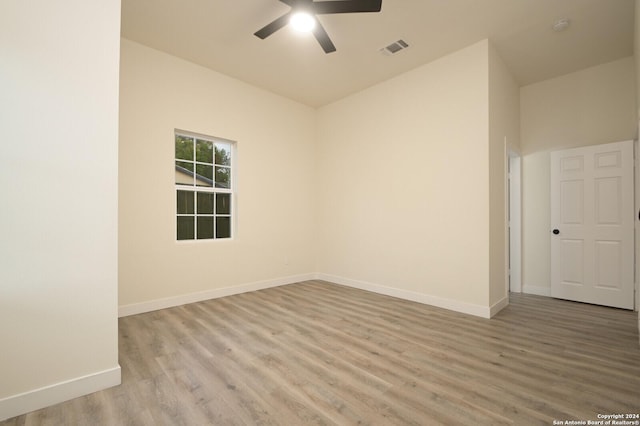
point(302, 22)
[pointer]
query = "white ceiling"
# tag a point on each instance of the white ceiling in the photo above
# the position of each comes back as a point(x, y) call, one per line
point(218, 34)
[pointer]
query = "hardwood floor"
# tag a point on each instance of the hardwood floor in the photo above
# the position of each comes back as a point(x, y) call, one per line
point(318, 353)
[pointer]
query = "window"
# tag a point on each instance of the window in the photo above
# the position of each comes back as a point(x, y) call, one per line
point(204, 187)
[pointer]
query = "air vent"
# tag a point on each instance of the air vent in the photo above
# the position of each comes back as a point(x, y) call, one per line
point(394, 47)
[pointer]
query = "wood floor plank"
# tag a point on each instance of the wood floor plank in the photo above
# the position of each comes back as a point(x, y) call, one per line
point(323, 354)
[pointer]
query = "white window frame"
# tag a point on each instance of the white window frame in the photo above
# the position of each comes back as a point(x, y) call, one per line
point(205, 189)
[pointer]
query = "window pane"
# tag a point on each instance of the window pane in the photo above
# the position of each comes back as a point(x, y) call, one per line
point(185, 228)
point(203, 165)
point(184, 148)
point(223, 203)
point(205, 203)
point(204, 151)
point(223, 177)
point(204, 175)
point(185, 202)
point(205, 227)
point(223, 154)
point(223, 227)
point(184, 173)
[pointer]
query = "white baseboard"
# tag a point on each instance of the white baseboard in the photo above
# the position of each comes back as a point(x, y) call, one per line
point(170, 302)
point(452, 305)
point(17, 405)
point(539, 291)
point(497, 307)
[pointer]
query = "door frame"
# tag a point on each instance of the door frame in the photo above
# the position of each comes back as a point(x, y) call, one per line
point(514, 221)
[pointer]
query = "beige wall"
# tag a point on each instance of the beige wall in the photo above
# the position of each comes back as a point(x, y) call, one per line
point(504, 134)
point(275, 177)
point(589, 107)
point(375, 188)
point(404, 182)
point(380, 183)
point(636, 50)
point(58, 180)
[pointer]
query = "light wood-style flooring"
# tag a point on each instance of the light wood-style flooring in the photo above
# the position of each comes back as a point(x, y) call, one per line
point(315, 353)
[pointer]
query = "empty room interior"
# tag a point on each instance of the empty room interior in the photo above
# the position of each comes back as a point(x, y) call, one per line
point(411, 212)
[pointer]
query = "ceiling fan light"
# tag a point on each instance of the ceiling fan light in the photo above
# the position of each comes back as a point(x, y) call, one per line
point(302, 22)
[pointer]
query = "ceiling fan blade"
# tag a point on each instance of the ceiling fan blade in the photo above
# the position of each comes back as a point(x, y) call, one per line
point(346, 6)
point(274, 26)
point(289, 2)
point(323, 38)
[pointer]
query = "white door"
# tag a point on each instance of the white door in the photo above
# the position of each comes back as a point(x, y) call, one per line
point(592, 219)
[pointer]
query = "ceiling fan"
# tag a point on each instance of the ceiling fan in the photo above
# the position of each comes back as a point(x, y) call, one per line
point(313, 8)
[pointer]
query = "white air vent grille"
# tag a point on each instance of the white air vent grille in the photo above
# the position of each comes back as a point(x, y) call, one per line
point(394, 47)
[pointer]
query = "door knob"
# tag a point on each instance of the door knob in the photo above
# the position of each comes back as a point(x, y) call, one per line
point(556, 231)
